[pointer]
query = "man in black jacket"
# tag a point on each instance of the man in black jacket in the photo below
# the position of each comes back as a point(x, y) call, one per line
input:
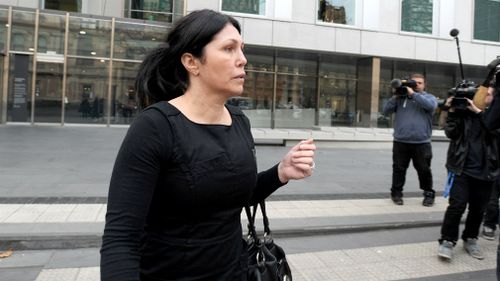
point(472, 165)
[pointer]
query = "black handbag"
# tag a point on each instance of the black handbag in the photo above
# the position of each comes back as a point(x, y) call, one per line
point(266, 260)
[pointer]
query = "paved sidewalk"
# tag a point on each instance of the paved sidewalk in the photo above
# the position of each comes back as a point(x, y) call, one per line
point(63, 259)
point(395, 262)
point(62, 226)
point(54, 180)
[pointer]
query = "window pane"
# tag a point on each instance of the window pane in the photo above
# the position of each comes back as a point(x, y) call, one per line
point(256, 100)
point(124, 106)
point(133, 41)
point(89, 37)
point(256, 7)
point(298, 63)
point(257, 97)
point(337, 101)
point(23, 29)
point(3, 39)
point(154, 10)
point(487, 20)
point(416, 16)
point(259, 59)
point(3, 30)
point(86, 91)
point(295, 101)
point(51, 34)
point(337, 11)
point(64, 5)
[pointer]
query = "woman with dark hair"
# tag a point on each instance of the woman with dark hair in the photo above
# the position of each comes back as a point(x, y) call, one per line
point(187, 164)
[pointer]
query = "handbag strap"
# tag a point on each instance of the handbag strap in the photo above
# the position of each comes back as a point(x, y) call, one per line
point(251, 214)
point(267, 230)
point(252, 233)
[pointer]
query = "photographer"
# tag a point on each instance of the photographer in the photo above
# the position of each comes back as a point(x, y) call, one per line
point(412, 137)
point(472, 164)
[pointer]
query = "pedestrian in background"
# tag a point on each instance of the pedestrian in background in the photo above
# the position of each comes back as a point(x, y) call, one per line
point(412, 139)
point(490, 221)
point(472, 164)
point(492, 121)
point(187, 164)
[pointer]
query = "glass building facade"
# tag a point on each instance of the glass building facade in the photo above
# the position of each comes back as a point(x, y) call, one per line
point(68, 68)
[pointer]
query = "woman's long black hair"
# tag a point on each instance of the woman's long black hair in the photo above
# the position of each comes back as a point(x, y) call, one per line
point(162, 76)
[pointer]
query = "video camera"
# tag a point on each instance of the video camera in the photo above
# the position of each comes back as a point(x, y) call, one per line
point(399, 86)
point(494, 67)
point(461, 93)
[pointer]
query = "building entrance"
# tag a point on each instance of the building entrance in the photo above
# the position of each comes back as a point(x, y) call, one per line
point(48, 92)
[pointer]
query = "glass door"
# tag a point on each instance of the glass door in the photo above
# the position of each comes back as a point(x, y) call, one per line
point(48, 92)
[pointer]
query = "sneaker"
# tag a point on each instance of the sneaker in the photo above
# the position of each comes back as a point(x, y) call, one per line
point(398, 200)
point(471, 246)
point(445, 249)
point(428, 199)
point(488, 233)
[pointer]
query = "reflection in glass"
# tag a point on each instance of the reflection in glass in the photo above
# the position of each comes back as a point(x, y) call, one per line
point(259, 59)
point(337, 100)
point(257, 97)
point(23, 29)
point(48, 92)
point(4, 14)
point(51, 35)
point(64, 5)
point(255, 7)
point(89, 37)
point(86, 91)
point(256, 100)
point(385, 92)
point(337, 11)
point(486, 20)
point(416, 16)
point(297, 63)
point(133, 41)
point(124, 101)
point(155, 10)
point(3, 49)
point(295, 101)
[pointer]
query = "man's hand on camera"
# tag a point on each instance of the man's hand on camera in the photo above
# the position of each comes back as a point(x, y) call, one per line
point(472, 107)
point(447, 104)
point(410, 91)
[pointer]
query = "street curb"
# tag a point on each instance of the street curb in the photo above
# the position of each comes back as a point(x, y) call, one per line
point(75, 241)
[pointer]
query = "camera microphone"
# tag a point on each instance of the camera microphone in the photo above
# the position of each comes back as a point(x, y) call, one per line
point(454, 33)
point(396, 83)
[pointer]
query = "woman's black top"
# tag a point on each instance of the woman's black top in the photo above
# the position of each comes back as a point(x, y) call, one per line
point(175, 198)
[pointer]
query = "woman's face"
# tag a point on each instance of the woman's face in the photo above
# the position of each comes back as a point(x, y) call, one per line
point(222, 65)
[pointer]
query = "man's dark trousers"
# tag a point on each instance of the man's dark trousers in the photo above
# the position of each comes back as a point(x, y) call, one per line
point(421, 156)
point(470, 191)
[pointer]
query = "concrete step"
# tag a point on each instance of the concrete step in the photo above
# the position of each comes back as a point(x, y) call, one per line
point(66, 226)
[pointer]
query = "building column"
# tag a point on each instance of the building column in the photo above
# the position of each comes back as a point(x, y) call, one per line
point(367, 99)
point(5, 77)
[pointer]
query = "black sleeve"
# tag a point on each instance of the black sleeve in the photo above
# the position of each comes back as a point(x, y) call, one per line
point(453, 127)
point(132, 185)
point(267, 183)
point(268, 180)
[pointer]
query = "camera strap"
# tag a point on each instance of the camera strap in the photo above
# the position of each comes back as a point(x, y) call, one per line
point(449, 184)
point(404, 103)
